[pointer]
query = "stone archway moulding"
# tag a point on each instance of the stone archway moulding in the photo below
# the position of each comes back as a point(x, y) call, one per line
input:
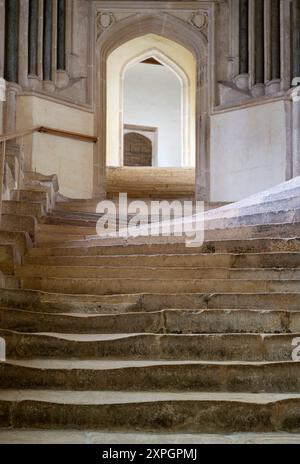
point(189, 24)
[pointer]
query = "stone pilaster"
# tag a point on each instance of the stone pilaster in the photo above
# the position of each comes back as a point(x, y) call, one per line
point(47, 41)
point(259, 42)
point(61, 35)
point(275, 40)
point(23, 43)
point(11, 40)
point(296, 38)
point(244, 37)
point(33, 37)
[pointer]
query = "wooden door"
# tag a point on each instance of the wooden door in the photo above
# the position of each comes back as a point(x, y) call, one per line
point(137, 150)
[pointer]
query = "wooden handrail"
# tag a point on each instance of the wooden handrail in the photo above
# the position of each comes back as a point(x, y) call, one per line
point(70, 135)
point(50, 131)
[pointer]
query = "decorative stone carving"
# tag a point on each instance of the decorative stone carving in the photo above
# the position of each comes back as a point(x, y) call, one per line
point(199, 19)
point(104, 21)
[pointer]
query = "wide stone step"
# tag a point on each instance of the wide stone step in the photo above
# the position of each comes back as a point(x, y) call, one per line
point(186, 321)
point(202, 347)
point(119, 286)
point(33, 195)
point(278, 377)
point(215, 260)
point(176, 273)
point(62, 230)
point(38, 301)
point(81, 437)
point(17, 223)
point(243, 232)
point(23, 208)
point(20, 240)
point(96, 247)
point(123, 411)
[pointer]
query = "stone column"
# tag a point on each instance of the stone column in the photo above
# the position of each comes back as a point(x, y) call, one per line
point(23, 43)
point(47, 41)
point(242, 80)
point(273, 86)
point(2, 96)
point(244, 40)
point(275, 39)
point(2, 36)
point(259, 74)
point(296, 38)
point(61, 35)
point(33, 37)
point(11, 40)
point(259, 42)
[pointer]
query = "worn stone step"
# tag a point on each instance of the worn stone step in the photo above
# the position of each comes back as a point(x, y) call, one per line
point(68, 230)
point(123, 411)
point(60, 303)
point(216, 260)
point(58, 238)
point(22, 208)
point(167, 244)
point(33, 195)
point(279, 230)
point(107, 304)
point(11, 282)
point(94, 247)
point(122, 285)
point(20, 223)
point(156, 272)
point(275, 377)
point(77, 437)
point(204, 347)
point(177, 321)
point(288, 214)
point(241, 232)
point(20, 240)
point(9, 257)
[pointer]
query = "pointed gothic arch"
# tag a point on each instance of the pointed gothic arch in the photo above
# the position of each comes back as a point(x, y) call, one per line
point(179, 31)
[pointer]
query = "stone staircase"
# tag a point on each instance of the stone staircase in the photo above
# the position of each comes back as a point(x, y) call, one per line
point(27, 198)
point(155, 337)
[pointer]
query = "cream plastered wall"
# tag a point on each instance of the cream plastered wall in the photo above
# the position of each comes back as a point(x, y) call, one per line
point(71, 160)
point(248, 151)
point(172, 54)
point(152, 97)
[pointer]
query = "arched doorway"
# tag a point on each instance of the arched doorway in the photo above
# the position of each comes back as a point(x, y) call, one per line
point(180, 32)
point(178, 62)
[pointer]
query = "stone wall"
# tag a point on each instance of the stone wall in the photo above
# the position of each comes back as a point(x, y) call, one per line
point(247, 53)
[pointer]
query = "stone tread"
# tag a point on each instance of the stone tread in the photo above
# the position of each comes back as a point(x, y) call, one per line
point(124, 364)
point(94, 437)
point(120, 397)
